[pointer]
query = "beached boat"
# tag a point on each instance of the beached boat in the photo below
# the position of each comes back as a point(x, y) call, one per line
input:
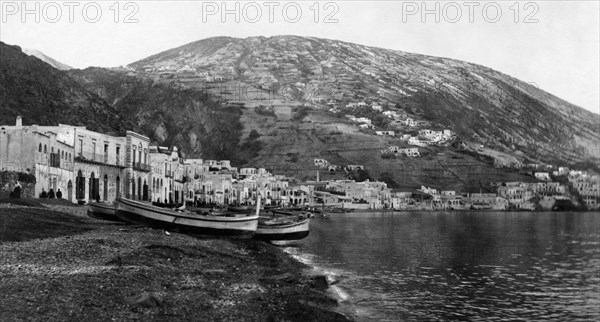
point(236, 225)
point(102, 211)
point(282, 228)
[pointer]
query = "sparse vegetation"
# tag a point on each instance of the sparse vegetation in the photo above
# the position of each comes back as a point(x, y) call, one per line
point(265, 110)
point(300, 113)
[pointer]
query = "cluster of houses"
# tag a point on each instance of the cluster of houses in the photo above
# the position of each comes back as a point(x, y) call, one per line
point(87, 165)
point(544, 195)
point(363, 122)
point(324, 164)
point(349, 194)
point(426, 137)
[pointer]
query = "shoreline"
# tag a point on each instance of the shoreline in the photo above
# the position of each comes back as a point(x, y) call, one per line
point(58, 263)
point(395, 211)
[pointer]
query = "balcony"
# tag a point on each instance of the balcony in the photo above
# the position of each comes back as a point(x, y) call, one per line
point(169, 174)
point(141, 167)
point(96, 158)
point(183, 179)
point(89, 157)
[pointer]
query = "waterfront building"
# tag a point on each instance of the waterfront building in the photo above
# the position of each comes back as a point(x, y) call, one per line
point(86, 165)
point(137, 162)
point(36, 150)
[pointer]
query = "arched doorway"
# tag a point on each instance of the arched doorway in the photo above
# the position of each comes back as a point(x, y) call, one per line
point(70, 190)
point(133, 188)
point(80, 186)
point(118, 194)
point(139, 186)
point(92, 185)
point(105, 194)
point(145, 191)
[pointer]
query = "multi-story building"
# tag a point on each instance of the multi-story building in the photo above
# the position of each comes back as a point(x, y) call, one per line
point(137, 162)
point(39, 151)
point(99, 164)
point(159, 163)
point(86, 165)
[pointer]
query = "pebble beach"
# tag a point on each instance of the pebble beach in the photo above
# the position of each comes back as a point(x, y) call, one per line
point(56, 263)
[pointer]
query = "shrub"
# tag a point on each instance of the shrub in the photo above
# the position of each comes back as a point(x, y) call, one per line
point(300, 114)
point(265, 110)
point(26, 177)
point(253, 135)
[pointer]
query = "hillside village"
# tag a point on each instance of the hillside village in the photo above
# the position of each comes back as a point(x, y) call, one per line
point(86, 165)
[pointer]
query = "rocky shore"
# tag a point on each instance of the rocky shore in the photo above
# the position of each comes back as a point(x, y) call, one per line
point(58, 264)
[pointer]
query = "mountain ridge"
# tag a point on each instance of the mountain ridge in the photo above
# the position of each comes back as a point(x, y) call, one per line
point(44, 95)
point(490, 90)
point(45, 58)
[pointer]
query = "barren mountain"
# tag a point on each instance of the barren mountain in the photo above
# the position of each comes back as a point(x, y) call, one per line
point(482, 105)
point(53, 62)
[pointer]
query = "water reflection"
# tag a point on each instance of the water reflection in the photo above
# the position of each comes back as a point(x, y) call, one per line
point(486, 266)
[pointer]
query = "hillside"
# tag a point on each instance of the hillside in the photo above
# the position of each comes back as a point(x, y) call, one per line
point(46, 96)
point(170, 115)
point(478, 103)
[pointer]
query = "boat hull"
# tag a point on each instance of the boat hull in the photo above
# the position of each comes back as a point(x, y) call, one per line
point(293, 231)
point(103, 212)
point(140, 213)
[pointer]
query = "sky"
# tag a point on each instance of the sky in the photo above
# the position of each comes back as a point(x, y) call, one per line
point(554, 45)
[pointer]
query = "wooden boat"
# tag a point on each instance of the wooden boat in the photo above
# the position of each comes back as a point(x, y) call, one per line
point(102, 211)
point(282, 228)
point(236, 225)
point(238, 208)
point(314, 209)
point(285, 211)
point(338, 210)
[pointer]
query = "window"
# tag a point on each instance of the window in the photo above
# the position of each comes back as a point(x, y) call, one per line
point(118, 156)
point(40, 148)
point(94, 151)
point(45, 149)
point(134, 150)
point(80, 147)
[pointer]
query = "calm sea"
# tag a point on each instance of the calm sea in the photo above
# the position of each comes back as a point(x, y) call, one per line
point(460, 266)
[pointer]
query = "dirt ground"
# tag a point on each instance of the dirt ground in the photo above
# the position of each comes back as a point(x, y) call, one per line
point(58, 264)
